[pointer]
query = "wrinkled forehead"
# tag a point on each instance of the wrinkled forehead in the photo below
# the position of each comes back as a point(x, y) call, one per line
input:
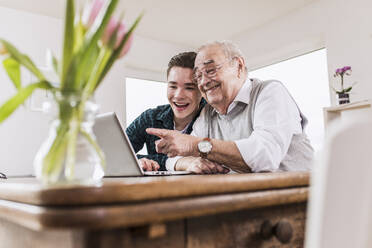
point(209, 55)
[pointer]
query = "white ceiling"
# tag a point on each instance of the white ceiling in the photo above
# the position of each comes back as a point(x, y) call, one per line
point(189, 23)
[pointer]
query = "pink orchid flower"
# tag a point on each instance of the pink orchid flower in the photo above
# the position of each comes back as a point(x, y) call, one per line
point(341, 71)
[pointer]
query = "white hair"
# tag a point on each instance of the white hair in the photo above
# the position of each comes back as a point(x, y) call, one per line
point(230, 49)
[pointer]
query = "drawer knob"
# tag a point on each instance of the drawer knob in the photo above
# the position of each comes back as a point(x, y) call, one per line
point(282, 230)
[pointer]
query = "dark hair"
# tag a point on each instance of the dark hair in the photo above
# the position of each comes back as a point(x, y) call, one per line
point(185, 60)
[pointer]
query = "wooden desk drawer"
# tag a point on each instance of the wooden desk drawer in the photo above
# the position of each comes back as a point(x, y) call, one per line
point(243, 228)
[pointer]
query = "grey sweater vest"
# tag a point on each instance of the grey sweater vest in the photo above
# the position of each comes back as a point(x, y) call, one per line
point(300, 153)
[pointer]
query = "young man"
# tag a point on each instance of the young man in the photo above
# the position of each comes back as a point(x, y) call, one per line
point(185, 104)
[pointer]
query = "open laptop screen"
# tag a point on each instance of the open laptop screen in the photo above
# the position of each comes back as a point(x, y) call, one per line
point(120, 157)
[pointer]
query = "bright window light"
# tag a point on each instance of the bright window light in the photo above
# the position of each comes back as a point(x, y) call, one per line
point(306, 78)
point(142, 95)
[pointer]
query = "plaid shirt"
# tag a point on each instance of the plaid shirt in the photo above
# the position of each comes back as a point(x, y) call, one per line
point(160, 117)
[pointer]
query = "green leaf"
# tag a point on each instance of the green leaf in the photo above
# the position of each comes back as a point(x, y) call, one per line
point(55, 64)
point(68, 45)
point(79, 32)
point(96, 71)
point(90, 43)
point(81, 77)
point(13, 69)
point(22, 59)
point(12, 104)
point(348, 89)
point(117, 51)
point(99, 25)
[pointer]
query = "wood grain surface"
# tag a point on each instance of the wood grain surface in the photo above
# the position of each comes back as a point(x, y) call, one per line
point(141, 213)
point(120, 190)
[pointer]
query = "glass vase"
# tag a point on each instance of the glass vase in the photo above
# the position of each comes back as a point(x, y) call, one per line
point(70, 154)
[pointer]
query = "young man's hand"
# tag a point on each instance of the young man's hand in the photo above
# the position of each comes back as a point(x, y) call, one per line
point(149, 165)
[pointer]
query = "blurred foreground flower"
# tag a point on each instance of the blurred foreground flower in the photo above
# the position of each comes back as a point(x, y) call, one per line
point(120, 28)
point(3, 51)
point(92, 44)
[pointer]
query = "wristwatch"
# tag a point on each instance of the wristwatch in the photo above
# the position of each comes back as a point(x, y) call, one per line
point(205, 147)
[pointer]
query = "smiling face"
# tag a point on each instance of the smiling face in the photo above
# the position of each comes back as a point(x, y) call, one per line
point(218, 77)
point(183, 94)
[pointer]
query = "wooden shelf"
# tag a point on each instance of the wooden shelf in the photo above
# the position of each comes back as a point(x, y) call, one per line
point(353, 105)
point(347, 112)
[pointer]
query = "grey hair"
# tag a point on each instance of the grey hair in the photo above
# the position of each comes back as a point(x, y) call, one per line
point(230, 49)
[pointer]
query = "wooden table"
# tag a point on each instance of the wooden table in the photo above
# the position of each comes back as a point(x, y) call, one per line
point(175, 211)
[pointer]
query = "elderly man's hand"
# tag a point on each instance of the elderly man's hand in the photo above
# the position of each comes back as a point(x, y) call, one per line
point(199, 165)
point(174, 143)
point(149, 165)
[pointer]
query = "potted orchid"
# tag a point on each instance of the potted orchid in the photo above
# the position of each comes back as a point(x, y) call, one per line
point(93, 41)
point(344, 93)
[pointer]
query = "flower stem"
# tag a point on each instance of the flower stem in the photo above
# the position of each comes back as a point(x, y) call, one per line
point(53, 161)
point(93, 81)
point(72, 135)
point(93, 142)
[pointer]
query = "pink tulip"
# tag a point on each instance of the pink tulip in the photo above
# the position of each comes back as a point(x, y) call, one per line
point(92, 11)
point(110, 29)
point(121, 33)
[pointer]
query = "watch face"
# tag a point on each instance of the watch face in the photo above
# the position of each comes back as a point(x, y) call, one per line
point(205, 146)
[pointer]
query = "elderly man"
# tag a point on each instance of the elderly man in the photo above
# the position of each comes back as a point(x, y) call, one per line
point(247, 126)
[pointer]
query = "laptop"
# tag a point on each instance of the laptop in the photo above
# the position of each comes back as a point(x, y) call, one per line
point(120, 157)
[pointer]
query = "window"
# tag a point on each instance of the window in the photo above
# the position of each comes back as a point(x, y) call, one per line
point(306, 78)
point(142, 95)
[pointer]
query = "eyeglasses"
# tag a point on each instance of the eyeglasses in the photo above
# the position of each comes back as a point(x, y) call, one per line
point(208, 71)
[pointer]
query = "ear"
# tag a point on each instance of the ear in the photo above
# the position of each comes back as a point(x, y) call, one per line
point(241, 65)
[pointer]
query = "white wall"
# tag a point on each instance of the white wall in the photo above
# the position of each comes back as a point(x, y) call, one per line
point(349, 42)
point(343, 27)
point(22, 134)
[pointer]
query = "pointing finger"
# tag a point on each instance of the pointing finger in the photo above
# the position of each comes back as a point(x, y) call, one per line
point(162, 133)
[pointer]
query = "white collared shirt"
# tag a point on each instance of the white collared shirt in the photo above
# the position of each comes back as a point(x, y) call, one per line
point(276, 120)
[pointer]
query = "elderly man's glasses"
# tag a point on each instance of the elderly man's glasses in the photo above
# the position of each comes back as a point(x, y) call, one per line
point(209, 71)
